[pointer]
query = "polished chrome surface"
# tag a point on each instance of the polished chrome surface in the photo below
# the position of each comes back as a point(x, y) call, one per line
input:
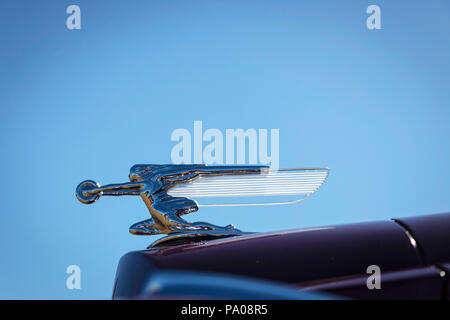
point(151, 182)
point(167, 191)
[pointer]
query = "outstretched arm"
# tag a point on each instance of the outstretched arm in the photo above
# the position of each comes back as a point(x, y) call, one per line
point(117, 189)
point(89, 191)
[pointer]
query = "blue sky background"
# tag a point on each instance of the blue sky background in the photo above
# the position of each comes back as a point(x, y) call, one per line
point(374, 106)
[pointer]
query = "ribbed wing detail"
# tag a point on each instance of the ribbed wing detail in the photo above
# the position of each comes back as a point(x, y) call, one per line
point(268, 187)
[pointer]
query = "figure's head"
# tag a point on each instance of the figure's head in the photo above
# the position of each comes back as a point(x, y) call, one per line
point(139, 172)
point(144, 172)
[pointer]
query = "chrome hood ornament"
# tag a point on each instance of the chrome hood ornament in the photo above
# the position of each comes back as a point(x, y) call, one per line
point(167, 191)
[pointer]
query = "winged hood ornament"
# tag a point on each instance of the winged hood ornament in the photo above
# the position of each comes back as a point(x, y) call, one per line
point(171, 191)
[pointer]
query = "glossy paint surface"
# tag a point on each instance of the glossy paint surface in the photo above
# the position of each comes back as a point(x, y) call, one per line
point(432, 233)
point(340, 254)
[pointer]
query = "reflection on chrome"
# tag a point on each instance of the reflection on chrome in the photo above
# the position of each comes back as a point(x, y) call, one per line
point(170, 191)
